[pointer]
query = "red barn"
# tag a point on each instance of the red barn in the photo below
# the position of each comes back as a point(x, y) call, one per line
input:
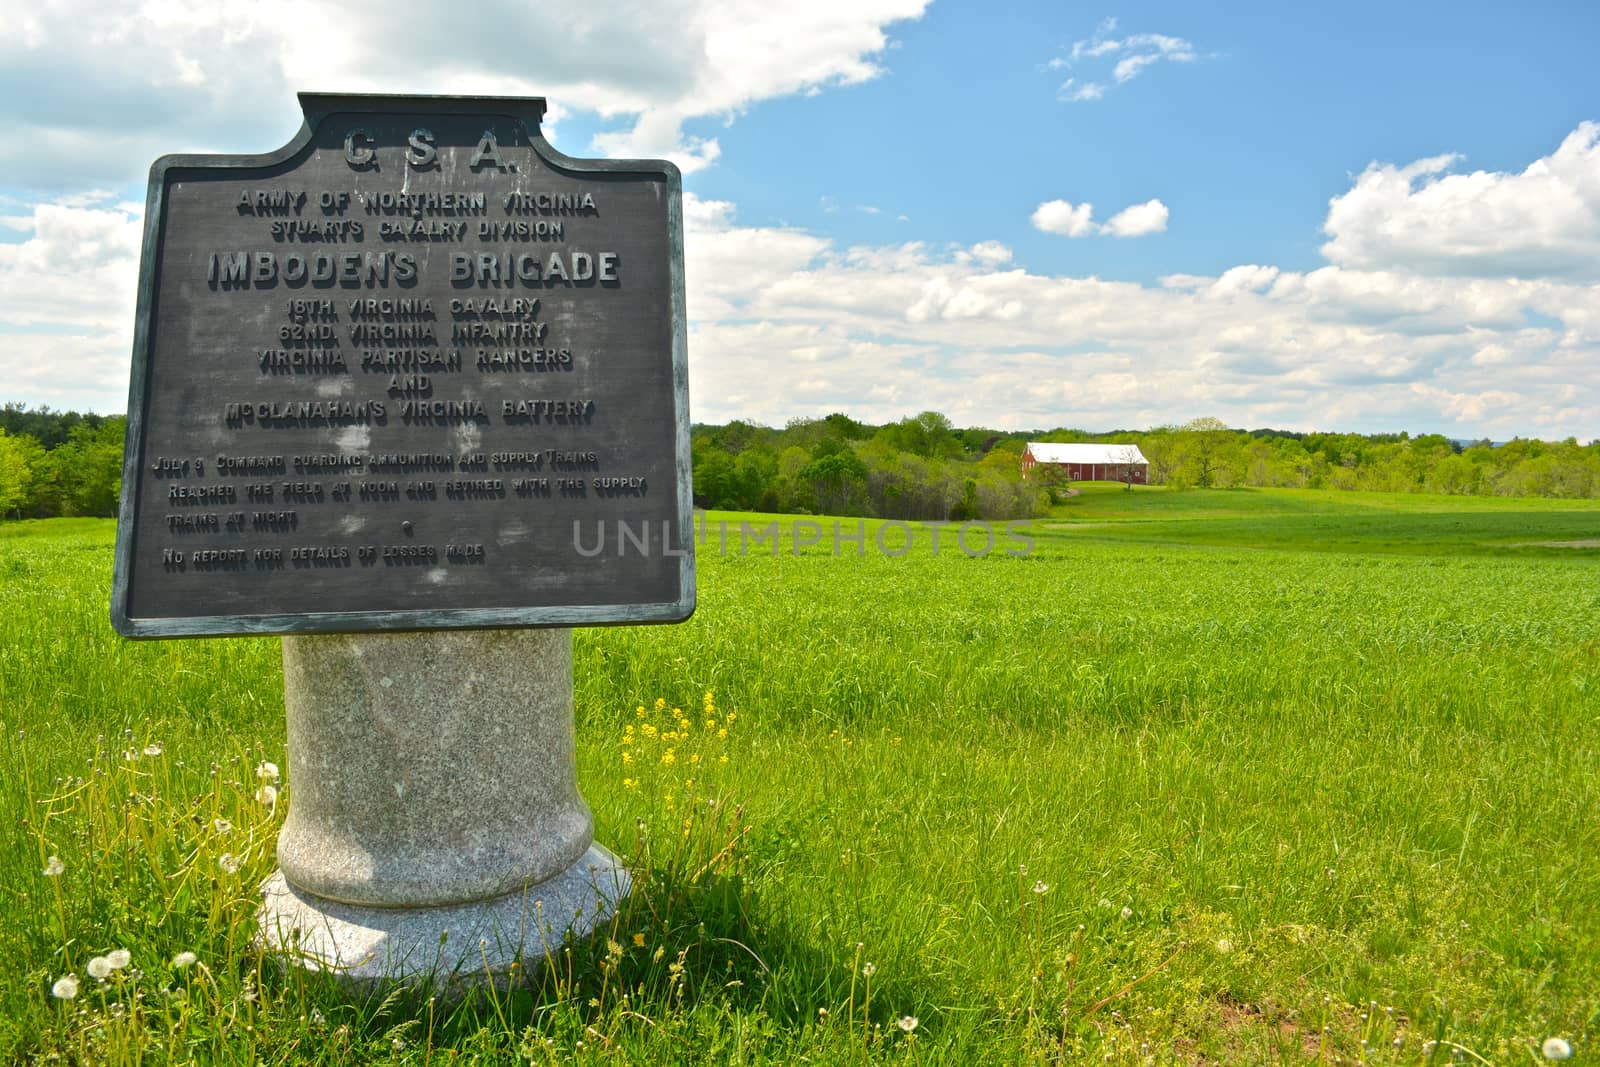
point(1086, 463)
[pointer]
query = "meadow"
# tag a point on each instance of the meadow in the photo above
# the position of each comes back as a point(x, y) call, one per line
point(1203, 777)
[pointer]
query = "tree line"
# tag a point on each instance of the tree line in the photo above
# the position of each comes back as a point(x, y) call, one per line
point(921, 467)
point(1206, 453)
point(56, 463)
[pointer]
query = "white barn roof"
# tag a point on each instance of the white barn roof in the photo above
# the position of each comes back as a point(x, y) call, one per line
point(1078, 453)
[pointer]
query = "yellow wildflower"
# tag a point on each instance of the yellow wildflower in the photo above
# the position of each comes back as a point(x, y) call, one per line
point(639, 711)
point(711, 724)
point(695, 758)
point(723, 759)
point(723, 733)
point(630, 783)
point(669, 757)
point(627, 757)
point(638, 940)
point(661, 704)
point(649, 729)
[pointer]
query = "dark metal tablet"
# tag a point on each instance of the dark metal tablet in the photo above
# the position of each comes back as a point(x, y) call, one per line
point(414, 370)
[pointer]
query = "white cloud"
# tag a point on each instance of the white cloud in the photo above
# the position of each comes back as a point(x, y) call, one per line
point(67, 305)
point(991, 253)
point(1062, 217)
point(1135, 53)
point(1074, 91)
point(109, 92)
point(1138, 220)
point(1127, 69)
point(1541, 223)
point(806, 327)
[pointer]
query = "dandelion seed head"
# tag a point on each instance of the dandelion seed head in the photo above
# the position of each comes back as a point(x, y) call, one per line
point(869, 969)
point(53, 866)
point(65, 987)
point(184, 959)
point(1127, 912)
point(119, 958)
point(154, 748)
point(221, 826)
point(907, 1023)
point(99, 967)
point(267, 795)
point(1555, 1048)
point(1224, 945)
point(229, 863)
point(1040, 888)
point(267, 771)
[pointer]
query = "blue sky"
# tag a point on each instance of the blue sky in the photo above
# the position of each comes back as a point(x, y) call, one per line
point(1360, 216)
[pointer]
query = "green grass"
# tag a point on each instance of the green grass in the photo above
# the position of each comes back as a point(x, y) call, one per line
point(1365, 523)
point(1293, 770)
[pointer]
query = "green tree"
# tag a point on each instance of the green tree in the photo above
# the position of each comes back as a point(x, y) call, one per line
point(837, 482)
point(16, 475)
point(90, 467)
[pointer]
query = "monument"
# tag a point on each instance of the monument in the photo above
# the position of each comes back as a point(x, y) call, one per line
point(411, 391)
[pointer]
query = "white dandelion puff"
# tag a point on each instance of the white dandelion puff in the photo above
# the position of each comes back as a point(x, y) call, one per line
point(65, 987)
point(869, 970)
point(99, 967)
point(1555, 1048)
point(907, 1023)
point(1040, 888)
point(267, 771)
point(154, 748)
point(184, 959)
point(53, 866)
point(1224, 945)
point(228, 862)
point(119, 958)
point(221, 826)
point(1127, 912)
point(267, 795)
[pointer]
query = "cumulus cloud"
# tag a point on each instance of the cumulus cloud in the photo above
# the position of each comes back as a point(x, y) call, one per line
point(1066, 219)
point(1541, 223)
point(183, 75)
point(67, 303)
point(1138, 220)
point(1069, 220)
point(787, 323)
point(1132, 54)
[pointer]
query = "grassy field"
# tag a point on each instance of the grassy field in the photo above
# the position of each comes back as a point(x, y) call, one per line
point(1229, 776)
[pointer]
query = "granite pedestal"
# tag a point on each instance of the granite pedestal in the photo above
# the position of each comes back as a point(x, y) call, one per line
point(435, 832)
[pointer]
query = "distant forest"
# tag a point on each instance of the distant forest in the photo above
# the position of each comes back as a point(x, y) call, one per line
point(921, 467)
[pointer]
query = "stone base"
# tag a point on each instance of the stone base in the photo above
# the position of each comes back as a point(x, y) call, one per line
point(447, 948)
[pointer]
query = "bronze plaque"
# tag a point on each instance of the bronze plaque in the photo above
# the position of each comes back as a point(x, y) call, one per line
point(414, 370)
